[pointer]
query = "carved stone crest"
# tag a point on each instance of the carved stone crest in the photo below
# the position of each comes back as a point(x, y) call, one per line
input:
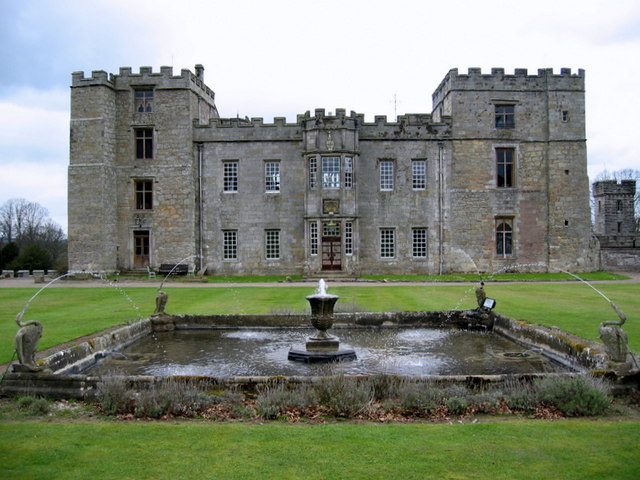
point(330, 143)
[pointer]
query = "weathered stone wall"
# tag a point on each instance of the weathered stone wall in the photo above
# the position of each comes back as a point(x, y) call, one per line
point(107, 238)
point(251, 210)
point(620, 259)
point(547, 203)
point(614, 207)
point(615, 225)
point(548, 200)
point(400, 209)
point(92, 187)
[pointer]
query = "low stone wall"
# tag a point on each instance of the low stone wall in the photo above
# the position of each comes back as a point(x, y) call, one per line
point(61, 376)
point(79, 357)
point(435, 319)
point(64, 380)
point(567, 349)
point(620, 259)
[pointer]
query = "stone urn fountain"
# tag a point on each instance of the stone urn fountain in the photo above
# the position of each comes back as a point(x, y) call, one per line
point(322, 347)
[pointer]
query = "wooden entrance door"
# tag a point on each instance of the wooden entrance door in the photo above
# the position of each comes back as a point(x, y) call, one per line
point(331, 246)
point(141, 248)
point(331, 253)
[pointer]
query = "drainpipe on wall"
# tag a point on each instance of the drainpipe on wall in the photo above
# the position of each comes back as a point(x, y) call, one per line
point(200, 207)
point(440, 207)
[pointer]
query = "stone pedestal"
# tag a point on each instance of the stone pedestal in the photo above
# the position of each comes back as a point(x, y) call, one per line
point(321, 355)
point(322, 347)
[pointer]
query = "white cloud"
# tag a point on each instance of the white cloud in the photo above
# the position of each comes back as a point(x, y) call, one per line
point(45, 184)
point(27, 121)
point(283, 57)
point(34, 146)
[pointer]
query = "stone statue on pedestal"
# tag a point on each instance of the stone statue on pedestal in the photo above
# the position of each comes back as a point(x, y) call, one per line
point(614, 338)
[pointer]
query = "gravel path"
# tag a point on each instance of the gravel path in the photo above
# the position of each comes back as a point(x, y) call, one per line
point(30, 283)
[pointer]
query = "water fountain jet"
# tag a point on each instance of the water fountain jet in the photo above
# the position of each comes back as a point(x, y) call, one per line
point(322, 347)
point(29, 335)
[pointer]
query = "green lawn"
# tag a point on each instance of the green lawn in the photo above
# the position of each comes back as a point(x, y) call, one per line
point(576, 449)
point(523, 449)
point(68, 313)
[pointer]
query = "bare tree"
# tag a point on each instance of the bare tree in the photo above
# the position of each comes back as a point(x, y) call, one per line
point(21, 220)
point(52, 237)
point(7, 216)
point(27, 225)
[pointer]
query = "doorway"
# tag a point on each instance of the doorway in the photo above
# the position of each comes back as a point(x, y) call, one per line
point(331, 246)
point(140, 248)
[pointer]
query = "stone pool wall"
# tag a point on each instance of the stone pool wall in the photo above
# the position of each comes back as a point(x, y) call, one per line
point(65, 380)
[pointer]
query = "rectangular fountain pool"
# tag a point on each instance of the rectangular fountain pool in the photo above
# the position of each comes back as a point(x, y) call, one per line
point(231, 352)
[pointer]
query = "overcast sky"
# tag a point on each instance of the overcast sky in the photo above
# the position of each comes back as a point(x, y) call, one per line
point(280, 58)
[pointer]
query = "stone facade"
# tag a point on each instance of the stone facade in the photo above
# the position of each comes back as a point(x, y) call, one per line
point(493, 179)
point(615, 226)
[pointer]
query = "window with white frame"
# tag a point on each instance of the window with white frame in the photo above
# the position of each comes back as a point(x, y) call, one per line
point(230, 244)
point(504, 236)
point(387, 243)
point(313, 238)
point(348, 238)
point(419, 242)
point(230, 176)
point(272, 244)
point(419, 174)
point(330, 172)
point(272, 177)
point(348, 172)
point(313, 172)
point(386, 175)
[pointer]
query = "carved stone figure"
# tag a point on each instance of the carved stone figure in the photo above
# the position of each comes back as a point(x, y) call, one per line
point(27, 340)
point(161, 302)
point(161, 321)
point(614, 338)
point(481, 296)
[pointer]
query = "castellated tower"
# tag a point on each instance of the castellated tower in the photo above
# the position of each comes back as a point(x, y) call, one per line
point(131, 133)
point(517, 169)
point(614, 207)
point(615, 225)
point(92, 174)
point(493, 179)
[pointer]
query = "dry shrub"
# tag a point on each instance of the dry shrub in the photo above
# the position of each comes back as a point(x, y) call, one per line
point(275, 399)
point(344, 396)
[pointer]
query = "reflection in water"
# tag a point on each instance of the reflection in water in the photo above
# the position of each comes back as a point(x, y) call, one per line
point(263, 351)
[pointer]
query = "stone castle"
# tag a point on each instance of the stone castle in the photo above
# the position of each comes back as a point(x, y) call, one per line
point(495, 177)
point(614, 227)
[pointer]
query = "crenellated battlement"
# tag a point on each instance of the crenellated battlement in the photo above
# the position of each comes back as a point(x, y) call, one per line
point(497, 79)
point(320, 118)
point(146, 76)
point(612, 187)
point(410, 126)
point(156, 175)
point(98, 77)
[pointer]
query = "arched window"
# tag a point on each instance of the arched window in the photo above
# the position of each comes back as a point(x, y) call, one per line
point(504, 237)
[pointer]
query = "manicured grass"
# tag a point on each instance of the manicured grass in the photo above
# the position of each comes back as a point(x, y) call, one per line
point(523, 449)
point(68, 313)
point(502, 450)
